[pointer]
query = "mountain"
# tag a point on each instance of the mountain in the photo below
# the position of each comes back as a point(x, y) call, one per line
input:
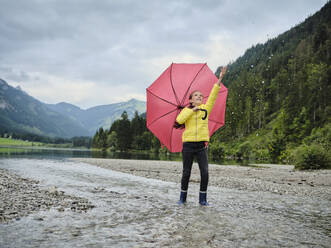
point(20, 112)
point(100, 116)
point(280, 91)
point(71, 111)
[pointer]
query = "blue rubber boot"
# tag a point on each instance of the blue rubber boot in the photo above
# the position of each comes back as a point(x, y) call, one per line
point(203, 198)
point(182, 198)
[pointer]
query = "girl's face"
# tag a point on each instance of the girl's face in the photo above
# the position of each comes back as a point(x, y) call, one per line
point(196, 98)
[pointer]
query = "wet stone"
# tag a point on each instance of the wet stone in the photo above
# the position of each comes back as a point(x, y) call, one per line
point(20, 197)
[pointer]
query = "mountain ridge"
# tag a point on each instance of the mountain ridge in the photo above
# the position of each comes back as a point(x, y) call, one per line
point(99, 116)
point(20, 112)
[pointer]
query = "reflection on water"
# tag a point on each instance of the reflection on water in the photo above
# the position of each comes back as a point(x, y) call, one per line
point(134, 211)
point(70, 153)
point(57, 153)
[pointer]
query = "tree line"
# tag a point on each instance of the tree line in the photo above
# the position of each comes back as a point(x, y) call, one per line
point(79, 141)
point(280, 94)
point(125, 134)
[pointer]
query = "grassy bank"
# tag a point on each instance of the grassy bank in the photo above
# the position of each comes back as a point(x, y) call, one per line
point(17, 142)
point(8, 142)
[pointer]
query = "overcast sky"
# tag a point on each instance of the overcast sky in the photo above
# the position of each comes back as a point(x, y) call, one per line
point(95, 52)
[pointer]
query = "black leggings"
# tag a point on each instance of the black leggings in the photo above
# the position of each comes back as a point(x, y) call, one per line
point(191, 149)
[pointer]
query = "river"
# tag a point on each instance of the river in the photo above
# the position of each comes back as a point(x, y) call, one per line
point(132, 211)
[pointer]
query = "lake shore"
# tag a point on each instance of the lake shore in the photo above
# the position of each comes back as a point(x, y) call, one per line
point(22, 196)
point(47, 202)
point(278, 179)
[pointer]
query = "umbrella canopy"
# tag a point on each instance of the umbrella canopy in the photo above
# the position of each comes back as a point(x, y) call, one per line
point(169, 94)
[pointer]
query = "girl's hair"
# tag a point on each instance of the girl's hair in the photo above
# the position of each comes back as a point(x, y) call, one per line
point(182, 126)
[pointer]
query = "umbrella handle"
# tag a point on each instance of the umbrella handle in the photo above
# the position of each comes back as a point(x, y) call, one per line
point(204, 110)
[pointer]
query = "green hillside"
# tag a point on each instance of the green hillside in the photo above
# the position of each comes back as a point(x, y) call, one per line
point(279, 95)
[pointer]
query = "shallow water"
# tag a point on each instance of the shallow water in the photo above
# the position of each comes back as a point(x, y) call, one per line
point(58, 153)
point(133, 211)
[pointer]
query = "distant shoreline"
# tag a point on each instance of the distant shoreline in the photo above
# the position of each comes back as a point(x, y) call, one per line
point(45, 148)
point(278, 179)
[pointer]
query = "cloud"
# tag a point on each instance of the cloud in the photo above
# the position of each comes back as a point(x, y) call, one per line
point(85, 94)
point(122, 46)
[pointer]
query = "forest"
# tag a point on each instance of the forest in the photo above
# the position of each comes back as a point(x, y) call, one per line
point(278, 107)
point(125, 134)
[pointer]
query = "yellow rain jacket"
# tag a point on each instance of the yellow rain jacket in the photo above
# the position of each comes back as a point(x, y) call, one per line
point(196, 129)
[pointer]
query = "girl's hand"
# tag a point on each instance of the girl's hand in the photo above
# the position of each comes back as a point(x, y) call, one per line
point(222, 73)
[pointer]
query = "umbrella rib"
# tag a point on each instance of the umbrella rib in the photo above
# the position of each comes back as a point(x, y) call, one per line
point(172, 86)
point(185, 95)
point(216, 121)
point(161, 117)
point(161, 98)
point(172, 131)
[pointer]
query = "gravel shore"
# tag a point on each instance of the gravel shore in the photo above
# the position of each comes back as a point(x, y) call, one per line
point(278, 179)
point(20, 197)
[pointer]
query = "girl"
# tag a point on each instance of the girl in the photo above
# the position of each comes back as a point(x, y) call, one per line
point(195, 120)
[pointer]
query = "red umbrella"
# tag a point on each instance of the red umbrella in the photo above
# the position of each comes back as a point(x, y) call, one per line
point(168, 94)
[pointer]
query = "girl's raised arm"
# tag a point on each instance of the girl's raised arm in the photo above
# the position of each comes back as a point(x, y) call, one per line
point(222, 73)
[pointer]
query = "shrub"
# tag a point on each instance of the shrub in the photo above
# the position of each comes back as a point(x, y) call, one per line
point(276, 145)
point(286, 156)
point(311, 157)
point(320, 136)
point(217, 151)
point(244, 150)
point(260, 154)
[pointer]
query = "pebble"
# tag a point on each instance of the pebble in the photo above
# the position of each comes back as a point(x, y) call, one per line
point(20, 197)
point(276, 179)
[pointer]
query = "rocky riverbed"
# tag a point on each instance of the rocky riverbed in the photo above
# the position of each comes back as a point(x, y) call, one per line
point(261, 206)
point(278, 179)
point(21, 196)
